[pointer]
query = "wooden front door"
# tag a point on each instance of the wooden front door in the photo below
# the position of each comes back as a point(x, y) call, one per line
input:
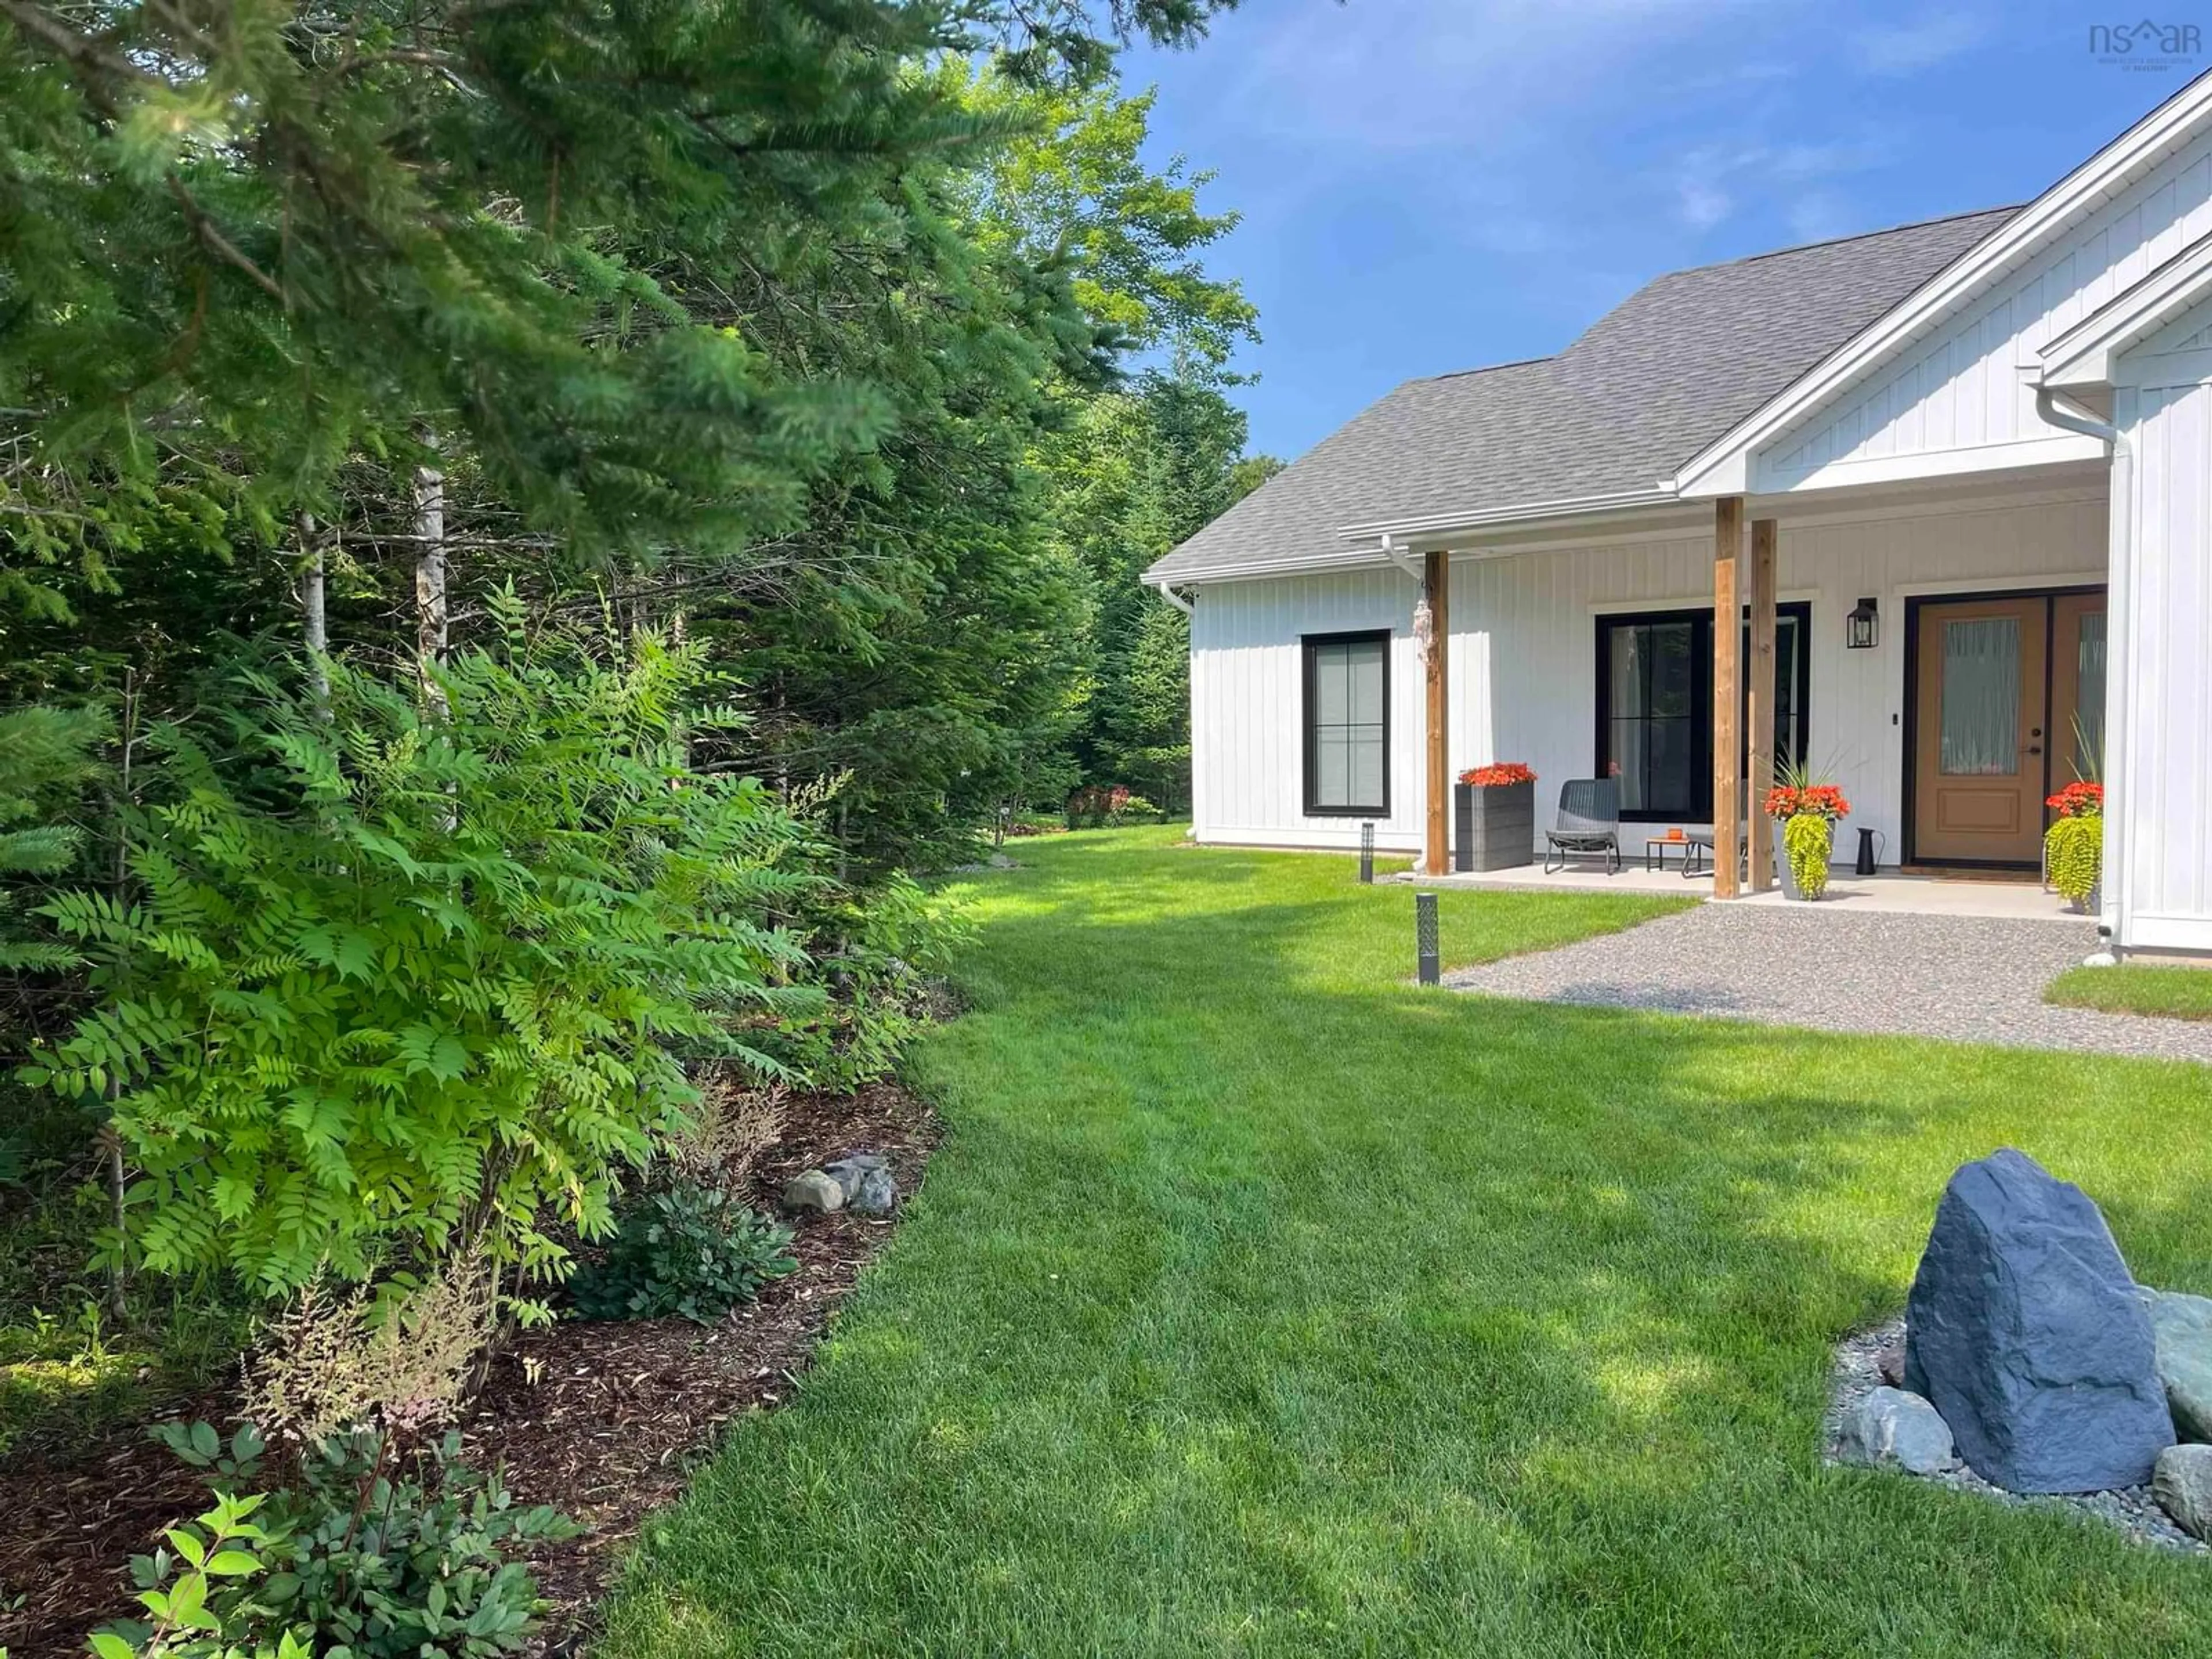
point(1980, 731)
point(2009, 705)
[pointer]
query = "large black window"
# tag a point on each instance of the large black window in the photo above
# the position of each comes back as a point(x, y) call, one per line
point(1655, 707)
point(1348, 725)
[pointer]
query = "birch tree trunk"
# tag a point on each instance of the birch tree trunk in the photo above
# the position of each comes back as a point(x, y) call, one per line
point(432, 631)
point(314, 616)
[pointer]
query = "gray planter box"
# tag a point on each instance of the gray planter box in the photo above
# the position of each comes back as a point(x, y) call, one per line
point(1494, 828)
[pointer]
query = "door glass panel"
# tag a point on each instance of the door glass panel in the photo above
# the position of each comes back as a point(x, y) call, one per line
point(2086, 740)
point(1788, 718)
point(1981, 697)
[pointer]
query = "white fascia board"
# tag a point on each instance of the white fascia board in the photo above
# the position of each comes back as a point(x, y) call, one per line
point(1437, 525)
point(1975, 271)
point(2087, 354)
point(2054, 451)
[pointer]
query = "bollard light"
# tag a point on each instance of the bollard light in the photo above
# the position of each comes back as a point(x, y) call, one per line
point(1425, 938)
point(1367, 852)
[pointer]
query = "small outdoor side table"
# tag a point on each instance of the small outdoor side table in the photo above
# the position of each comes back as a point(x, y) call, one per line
point(1655, 852)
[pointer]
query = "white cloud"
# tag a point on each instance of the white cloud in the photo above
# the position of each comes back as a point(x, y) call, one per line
point(1908, 48)
point(1713, 180)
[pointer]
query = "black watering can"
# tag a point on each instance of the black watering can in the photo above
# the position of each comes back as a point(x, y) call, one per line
point(1869, 858)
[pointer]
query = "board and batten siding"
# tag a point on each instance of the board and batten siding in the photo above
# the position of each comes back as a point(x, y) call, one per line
point(2161, 772)
point(1523, 658)
point(1961, 392)
point(1246, 686)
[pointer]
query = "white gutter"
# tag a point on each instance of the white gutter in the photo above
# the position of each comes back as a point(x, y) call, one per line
point(1390, 530)
point(2120, 578)
point(1175, 599)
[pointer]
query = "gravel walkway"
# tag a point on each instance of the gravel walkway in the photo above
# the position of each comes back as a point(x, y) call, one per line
point(1970, 978)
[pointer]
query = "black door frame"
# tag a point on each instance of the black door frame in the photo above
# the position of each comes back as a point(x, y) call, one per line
point(1909, 830)
point(1701, 691)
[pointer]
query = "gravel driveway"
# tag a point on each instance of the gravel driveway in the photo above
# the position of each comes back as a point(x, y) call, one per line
point(1974, 979)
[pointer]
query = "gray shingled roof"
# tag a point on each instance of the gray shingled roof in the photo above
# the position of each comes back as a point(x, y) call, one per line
point(1668, 371)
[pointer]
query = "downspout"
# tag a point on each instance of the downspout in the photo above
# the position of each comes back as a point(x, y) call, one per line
point(2119, 715)
point(1402, 559)
point(1175, 599)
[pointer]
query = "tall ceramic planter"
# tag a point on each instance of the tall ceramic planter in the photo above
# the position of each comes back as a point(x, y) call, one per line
point(1494, 825)
point(1782, 866)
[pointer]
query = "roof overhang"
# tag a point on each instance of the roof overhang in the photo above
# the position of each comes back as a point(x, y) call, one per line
point(1724, 467)
point(2086, 356)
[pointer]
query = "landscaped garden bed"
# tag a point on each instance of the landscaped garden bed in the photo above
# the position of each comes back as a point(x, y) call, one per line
point(604, 1421)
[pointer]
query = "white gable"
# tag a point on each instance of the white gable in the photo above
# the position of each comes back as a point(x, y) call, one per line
point(1958, 401)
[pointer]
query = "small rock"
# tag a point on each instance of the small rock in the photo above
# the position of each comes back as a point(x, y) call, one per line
point(865, 1178)
point(2182, 1483)
point(815, 1190)
point(2183, 1327)
point(1891, 1426)
point(2025, 1331)
point(1889, 1360)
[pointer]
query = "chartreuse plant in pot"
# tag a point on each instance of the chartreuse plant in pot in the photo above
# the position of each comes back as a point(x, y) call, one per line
point(2074, 845)
point(1806, 808)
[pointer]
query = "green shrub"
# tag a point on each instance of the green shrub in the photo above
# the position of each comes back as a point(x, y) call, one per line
point(690, 1250)
point(2074, 848)
point(1138, 810)
point(46, 755)
point(426, 981)
point(354, 1559)
point(1808, 838)
point(201, 1599)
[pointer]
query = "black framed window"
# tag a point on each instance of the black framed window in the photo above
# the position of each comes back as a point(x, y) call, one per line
point(1348, 725)
point(1655, 707)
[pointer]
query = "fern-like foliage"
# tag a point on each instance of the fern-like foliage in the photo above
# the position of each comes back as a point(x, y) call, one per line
point(46, 754)
point(433, 980)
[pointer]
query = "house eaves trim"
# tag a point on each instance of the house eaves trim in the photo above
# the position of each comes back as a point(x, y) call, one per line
point(1724, 467)
point(2086, 354)
point(1394, 531)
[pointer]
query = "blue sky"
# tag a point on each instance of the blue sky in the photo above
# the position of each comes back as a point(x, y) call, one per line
point(1431, 184)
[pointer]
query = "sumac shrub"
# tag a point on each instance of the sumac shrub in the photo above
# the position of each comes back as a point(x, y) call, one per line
point(405, 970)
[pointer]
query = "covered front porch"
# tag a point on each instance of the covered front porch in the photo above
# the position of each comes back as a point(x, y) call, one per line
point(1937, 650)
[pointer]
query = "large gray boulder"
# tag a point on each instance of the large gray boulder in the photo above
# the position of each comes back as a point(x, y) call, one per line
point(2182, 1326)
point(2025, 1331)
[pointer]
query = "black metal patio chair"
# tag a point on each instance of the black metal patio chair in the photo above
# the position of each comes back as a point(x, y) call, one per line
point(1588, 824)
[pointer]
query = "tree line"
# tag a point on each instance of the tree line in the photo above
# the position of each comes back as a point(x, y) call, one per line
point(522, 529)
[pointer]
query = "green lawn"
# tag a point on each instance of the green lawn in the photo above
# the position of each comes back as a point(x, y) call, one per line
point(2136, 988)
point(1262, 1303)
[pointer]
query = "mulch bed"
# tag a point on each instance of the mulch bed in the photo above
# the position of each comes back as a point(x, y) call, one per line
point(602, 1421)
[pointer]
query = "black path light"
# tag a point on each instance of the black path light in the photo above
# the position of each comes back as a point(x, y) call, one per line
point(1367, 852)
point(1424, 936)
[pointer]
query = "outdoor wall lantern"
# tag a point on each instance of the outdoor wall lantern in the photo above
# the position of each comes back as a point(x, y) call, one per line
point(1864, 626)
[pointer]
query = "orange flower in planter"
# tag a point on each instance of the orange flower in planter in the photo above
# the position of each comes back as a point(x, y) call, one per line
point(1497, 776)
point(1823, 800)
point(2079, 799)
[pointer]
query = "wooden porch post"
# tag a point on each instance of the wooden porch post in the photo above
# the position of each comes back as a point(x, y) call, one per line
point(1436, 592)
point(1727, 651)
point(1759, 705)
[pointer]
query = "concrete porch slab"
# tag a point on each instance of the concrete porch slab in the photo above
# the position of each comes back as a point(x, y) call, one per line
point(1893, 893)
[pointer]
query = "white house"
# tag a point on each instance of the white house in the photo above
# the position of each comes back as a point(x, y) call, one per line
point(1992, 432)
